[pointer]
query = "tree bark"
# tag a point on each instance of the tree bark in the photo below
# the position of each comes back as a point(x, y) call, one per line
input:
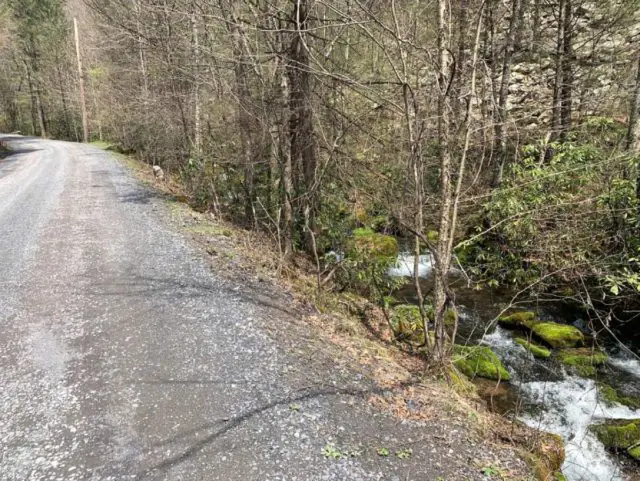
point(559, 72)
point(83, 103)
point(503, 96)
point(442, 259)
point(303, 148)
point(566, 93)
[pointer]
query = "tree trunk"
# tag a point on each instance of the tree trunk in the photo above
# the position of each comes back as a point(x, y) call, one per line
point(442, 257)
point(503, 96)
point(34, 104)
point(567, 70)
point(558, 83)
point(243, 95)
point(197, 120)
point(633, 132)
point(83, 103)
point(303, 148)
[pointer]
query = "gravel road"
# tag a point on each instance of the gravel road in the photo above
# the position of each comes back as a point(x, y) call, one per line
point(123, 356)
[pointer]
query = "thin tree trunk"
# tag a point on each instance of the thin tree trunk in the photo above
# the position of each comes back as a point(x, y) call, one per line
point(243, 96)
point(443, 260)
point(567, 67)
point(500, 148)
point(34, 103)
point(63, 100)
point(303, 149)
point(197, 121)
point(83, 103)
point(633, 132)
point(141, 56)
point(557, 86)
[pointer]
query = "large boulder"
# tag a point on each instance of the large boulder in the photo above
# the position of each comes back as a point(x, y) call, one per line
point(634, 451)
point(479, 361)
point(517, 319)
point(618, 434)
point(582, 360)
point(558, 335)
point(371, 244)
point(611, 396)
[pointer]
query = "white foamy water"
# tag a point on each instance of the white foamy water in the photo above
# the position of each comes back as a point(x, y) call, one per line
point(628, 364)
point(405, 266)
point(567, 408)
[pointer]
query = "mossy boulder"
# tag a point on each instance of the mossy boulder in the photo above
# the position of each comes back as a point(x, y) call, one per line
point(558, 335)
point(618, 435)
point(479, 361)
point(372, 244)
point(517, 319)
point(634, 451)
point(583, 360)
point(545, 456)
point(537, 351)
point(610, 396)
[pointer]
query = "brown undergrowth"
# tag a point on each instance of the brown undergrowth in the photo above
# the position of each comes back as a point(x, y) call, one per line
point(360, 332)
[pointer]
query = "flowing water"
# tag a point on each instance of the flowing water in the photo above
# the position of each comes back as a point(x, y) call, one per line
point(550, 399)
point(565, 405)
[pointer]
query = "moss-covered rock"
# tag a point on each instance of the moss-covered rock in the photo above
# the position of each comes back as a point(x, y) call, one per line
point(517, 319)
point(370, 243)
point(619, 434)
point(479, 361)
point(537, 351)
point(545, 457)
point(460, 383)
point(611, 396)
point(583, 360)
point(558, 335)
point(634, 451)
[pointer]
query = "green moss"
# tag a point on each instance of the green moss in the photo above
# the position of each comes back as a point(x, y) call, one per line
point(610, 396)
point(367, 242)
point(584, 361)
point(479, 361)
point(545, 457)
point(406, 323)
point(618, 434)
point(634, 451)
point(517, 319)
point(460, 383)
point(405, 318)
point(450, 317)
point(558, 335)
point(537, 351)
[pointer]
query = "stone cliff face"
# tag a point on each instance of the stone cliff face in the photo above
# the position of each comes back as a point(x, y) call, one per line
point(605, 39)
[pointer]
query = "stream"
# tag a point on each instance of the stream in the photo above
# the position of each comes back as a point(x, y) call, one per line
point(542, 393)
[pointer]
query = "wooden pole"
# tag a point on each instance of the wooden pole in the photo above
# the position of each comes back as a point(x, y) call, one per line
point(83, 104)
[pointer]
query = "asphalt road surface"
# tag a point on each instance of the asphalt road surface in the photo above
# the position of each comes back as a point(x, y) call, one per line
point(123, 356)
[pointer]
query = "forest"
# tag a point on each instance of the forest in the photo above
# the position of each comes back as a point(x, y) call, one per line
point(499, 138)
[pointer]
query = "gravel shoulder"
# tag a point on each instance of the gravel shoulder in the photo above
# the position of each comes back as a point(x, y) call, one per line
point(130, 351)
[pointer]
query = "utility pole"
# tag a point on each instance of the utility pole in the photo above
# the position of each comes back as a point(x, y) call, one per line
point(83, 103)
